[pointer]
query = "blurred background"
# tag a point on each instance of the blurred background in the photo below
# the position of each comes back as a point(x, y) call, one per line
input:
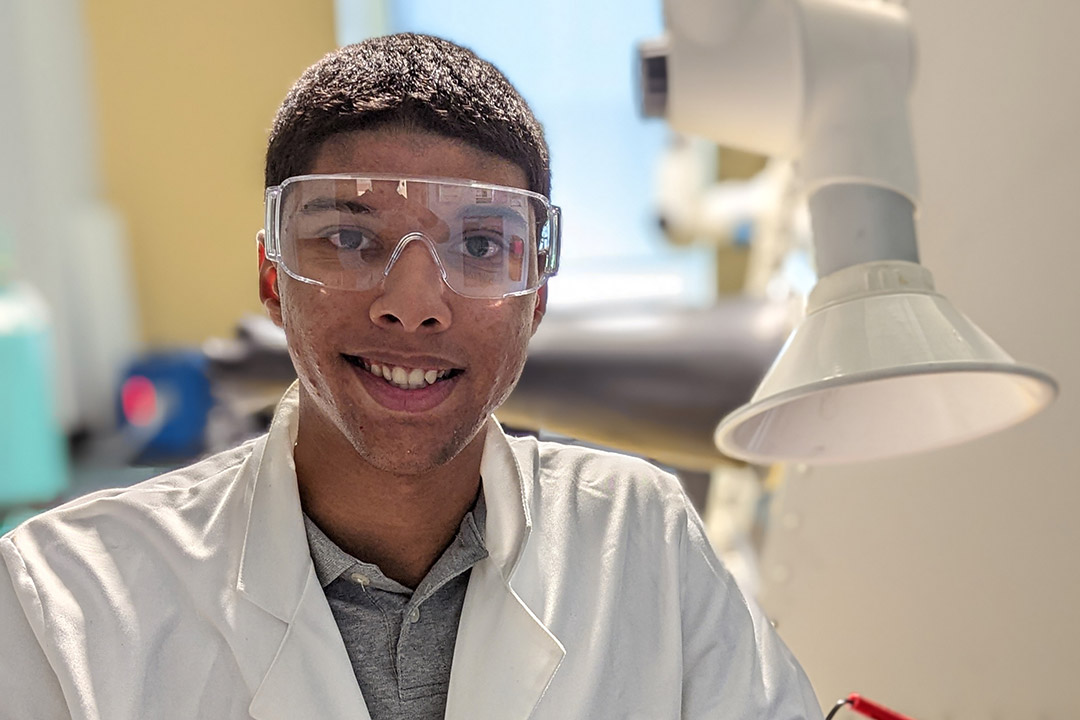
point(131, 340)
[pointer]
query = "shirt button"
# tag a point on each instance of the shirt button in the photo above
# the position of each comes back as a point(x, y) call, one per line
point(360, 579)
point(414, 616)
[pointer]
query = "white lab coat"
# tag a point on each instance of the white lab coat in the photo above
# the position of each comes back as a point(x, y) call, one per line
point(193, 595)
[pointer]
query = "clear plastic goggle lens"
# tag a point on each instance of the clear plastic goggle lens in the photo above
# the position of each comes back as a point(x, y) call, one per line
point(347, 231)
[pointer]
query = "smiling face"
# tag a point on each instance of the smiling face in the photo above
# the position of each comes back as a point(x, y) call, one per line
point(402, 376)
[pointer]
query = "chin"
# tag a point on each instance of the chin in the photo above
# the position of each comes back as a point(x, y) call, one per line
point(411, 458)
point(406, 465)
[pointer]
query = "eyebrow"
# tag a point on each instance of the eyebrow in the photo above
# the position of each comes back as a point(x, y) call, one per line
point(339, 204)
point(486, 211)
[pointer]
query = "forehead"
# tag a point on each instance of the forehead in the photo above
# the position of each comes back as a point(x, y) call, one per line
point(400, 152)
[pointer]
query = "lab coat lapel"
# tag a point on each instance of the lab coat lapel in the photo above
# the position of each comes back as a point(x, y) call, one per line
point(311, 675)
point(308, 672)
point(505, 657)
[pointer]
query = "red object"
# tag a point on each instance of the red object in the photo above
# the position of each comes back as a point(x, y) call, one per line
point(872, 710)
point(138, 398)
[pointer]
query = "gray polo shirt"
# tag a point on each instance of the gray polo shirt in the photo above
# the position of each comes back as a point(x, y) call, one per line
point(400, 641)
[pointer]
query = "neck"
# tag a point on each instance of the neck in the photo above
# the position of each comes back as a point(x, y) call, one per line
point(402, 523)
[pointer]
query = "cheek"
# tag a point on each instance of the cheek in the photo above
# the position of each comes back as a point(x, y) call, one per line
point(311, 311)
point(308, 327)
point(512, 332)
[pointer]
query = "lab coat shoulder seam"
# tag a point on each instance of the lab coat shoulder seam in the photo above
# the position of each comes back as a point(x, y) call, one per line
point(157, 484)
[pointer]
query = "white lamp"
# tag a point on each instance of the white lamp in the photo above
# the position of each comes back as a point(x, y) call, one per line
point(882, 365)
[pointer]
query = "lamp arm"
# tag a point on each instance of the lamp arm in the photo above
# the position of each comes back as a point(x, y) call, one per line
point(824, 83)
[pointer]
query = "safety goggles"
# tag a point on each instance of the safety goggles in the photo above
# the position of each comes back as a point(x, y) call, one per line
point(347, 231)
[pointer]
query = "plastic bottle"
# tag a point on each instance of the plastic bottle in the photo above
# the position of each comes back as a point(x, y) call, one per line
point(33, 458)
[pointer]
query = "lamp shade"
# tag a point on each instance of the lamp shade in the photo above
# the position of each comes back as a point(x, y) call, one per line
point(882, 365)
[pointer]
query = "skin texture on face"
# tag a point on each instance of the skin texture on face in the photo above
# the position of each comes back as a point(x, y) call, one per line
point(412, 319)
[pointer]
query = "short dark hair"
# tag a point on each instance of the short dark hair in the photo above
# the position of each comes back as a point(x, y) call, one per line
point(411, 81)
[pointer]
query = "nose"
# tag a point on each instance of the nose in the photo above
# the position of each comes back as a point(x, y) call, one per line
point(413, 295)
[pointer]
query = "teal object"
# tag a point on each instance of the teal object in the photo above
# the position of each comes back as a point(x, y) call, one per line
point(15, 518)
point(33, 458)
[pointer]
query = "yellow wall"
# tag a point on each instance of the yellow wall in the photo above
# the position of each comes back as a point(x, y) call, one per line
point(185, 93)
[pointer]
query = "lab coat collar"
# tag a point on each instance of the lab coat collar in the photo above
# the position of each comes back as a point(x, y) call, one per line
point(508, 497)
point(275, 559)
point(504, 658)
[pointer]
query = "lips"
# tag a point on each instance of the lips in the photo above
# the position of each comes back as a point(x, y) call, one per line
point(405, 387)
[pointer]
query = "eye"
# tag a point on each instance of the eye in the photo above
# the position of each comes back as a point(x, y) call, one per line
point(482, 246)
point(349, 238)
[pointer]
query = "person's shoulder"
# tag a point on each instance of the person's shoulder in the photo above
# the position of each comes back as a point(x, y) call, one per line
point(599, 477)
point(186, 498)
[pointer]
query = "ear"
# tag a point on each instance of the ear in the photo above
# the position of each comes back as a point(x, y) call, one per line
point(268, 285)
point(540, 308)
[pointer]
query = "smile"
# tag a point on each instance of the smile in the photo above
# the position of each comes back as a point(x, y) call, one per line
point(405, 378)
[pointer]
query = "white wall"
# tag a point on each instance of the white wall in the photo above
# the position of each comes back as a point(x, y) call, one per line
point(69, 245)
point(947, 585)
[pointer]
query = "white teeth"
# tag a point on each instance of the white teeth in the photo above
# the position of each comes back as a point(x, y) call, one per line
point(406, 378)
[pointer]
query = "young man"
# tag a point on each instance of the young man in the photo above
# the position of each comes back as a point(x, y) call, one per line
point(385, 550)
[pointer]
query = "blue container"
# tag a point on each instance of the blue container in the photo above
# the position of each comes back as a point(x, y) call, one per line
point(33, 457)
point(166, 396)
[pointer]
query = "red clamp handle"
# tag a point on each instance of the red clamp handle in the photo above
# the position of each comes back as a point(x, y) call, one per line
point(872, 710)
